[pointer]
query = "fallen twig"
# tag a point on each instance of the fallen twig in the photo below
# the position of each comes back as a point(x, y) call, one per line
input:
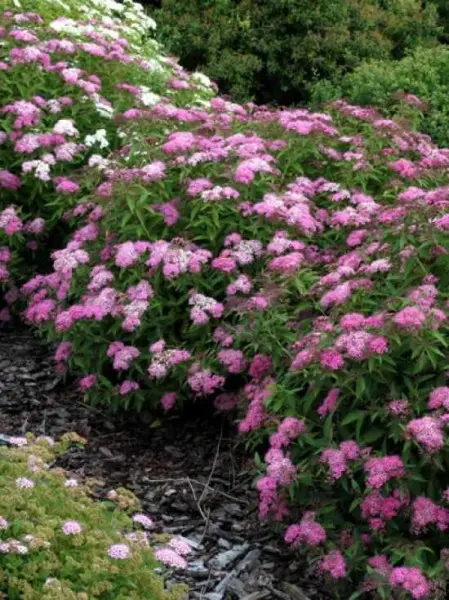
point(214, 464)
point(189, 480)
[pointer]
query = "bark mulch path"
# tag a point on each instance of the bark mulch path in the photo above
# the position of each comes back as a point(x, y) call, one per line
point(191, 475)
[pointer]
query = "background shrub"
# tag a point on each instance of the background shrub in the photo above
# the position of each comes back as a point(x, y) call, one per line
point(425, 73)
point(443, 19)
point(273, 51)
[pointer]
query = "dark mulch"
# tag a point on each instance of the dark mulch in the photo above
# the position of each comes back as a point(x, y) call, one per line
point(192, 476)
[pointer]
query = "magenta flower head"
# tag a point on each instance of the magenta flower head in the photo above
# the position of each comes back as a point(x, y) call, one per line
point(67, 186)
point(382, 469)
point(143, 520)
point(308, 532)
point(410, 318)
point(119, 551)
point(88, 382)
point(426, 431)
point(331, 359)
point(168, 400)
point(3, 523)
point(334, 564)
point(63, 351)
point(71, 528)
point(128, 386)
point(410, 579)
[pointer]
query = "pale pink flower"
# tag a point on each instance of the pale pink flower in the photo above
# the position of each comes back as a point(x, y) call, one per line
point(143, 520)
point(71, 528)
point(24, 483)
point(169, 557)
point(71, 483)
point(180, 546)
point(119, 551)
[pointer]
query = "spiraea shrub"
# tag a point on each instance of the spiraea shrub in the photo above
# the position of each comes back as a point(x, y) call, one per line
point(287, 263)
point(66, 72)
point(56, 542)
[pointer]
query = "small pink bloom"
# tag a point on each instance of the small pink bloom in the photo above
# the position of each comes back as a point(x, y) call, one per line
point(71, 528)
point(169, 557)
point(88, 382)
point(331, 359)
point(143, 520)
point(180, 546)
point(119, 551)
point(334, 564)
point(168, 400)
point(24, 483)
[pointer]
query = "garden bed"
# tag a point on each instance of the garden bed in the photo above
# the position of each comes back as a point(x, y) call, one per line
point(192, 477)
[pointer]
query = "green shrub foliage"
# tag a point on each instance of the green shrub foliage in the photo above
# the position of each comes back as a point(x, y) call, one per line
point(274, 50)
point(424, 73)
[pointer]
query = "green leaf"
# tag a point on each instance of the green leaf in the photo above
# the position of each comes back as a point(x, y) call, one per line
point(373, 434)
point(355, 415)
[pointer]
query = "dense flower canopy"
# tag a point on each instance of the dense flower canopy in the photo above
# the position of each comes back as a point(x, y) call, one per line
point(289, 263)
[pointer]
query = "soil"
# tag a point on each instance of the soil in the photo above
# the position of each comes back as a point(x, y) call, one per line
point(191, 474)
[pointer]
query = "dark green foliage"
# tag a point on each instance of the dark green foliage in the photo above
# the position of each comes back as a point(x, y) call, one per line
point(443, 18)
point(425, 73)
point(275, 50)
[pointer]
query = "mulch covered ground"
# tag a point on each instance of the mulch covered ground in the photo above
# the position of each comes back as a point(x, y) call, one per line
point(192, 476)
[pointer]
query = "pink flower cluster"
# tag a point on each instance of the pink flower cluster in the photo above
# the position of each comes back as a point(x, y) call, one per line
point(334, 564)
point(425, 513)
point(71, 528)
point(204, 308)
point(428, 432)
point(382, 469)
point(171, 558)
point(378, 510)
point(308, 532)
point(410, 579)
point(180, 228)
point(288, 431)
point(164, 359)
point(337, 459)
point(203, 382)
point(122, 355)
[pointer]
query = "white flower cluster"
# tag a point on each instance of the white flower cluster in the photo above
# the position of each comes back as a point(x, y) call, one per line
point(147, 97)
point(201, 79)
point(128, 17)
point(99, 137)
point(65, 127)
